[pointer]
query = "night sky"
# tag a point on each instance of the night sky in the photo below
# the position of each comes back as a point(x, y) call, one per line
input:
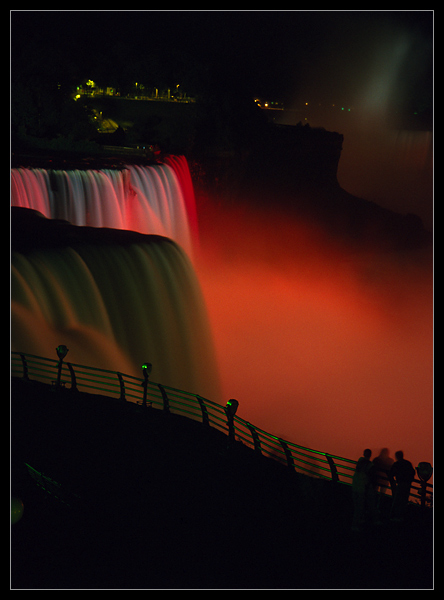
point(323, 56)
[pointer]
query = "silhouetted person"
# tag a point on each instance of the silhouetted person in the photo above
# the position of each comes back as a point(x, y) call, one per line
point(401, 476)
point(363, 486)
point(382, 464)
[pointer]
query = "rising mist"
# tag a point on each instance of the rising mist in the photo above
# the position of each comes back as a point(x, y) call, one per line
point(323, 344)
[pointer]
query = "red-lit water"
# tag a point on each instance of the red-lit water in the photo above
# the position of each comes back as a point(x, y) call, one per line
point(326, 347)
point(321, 345)
point(115, 304)
point(379, 162)
point(156, 199)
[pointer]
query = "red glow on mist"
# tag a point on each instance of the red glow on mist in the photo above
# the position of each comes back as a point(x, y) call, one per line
point(323, 347)
point(180, 166)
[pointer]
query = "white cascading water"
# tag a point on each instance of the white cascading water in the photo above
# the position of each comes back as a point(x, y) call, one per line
point(116, 302)
point(155, 199)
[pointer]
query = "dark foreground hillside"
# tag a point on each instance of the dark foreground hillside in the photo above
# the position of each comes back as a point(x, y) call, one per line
point(159, 501)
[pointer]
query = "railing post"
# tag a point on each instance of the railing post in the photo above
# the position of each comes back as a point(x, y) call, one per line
point(423, 495)
point(254, 435)
point(73, 377)
point(424, 471)
point(333, 469)
point(146, 370)
point(290, 462)
point(122, 387)
point(25, 367)
point(166, 402)
point(230, 411)
point(62, 351)
point(203, 408)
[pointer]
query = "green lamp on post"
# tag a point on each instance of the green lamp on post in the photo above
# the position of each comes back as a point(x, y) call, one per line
point(146, 370)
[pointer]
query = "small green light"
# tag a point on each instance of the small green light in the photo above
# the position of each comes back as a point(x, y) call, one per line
point(232, 406)
point(146, 369)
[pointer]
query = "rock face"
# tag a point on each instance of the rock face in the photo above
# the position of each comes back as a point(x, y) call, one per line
point(30, 230)
point(302, 155)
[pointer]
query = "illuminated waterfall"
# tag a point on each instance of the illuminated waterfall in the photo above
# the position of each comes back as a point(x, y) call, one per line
point(155, 199)
point(120, 290)
point(115, 301)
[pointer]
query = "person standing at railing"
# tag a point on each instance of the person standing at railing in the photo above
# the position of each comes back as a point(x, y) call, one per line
point(401, 476)
point(363, 488)
point(382, 463)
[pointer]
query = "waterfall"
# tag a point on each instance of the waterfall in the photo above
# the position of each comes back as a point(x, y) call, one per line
point(116, 299)
point(156, 199)
point(108, 272)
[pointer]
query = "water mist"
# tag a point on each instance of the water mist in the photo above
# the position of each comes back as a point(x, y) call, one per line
point(321, 344)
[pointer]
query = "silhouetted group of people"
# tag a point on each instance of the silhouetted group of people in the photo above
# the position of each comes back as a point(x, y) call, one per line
point(379, 475)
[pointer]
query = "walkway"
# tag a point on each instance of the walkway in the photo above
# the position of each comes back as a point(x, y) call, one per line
point(164, 504)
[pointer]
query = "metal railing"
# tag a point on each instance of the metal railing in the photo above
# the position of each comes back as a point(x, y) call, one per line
point(146, 393)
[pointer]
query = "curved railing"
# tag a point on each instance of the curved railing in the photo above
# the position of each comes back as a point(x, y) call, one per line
point(146, 393)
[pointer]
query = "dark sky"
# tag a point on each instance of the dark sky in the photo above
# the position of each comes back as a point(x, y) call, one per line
point(326, 55)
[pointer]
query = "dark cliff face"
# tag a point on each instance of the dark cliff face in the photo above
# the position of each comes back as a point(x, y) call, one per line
point(30, 230)
point(276, 158)
point(301, 155)
point(289, 168)
point(292, 170)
